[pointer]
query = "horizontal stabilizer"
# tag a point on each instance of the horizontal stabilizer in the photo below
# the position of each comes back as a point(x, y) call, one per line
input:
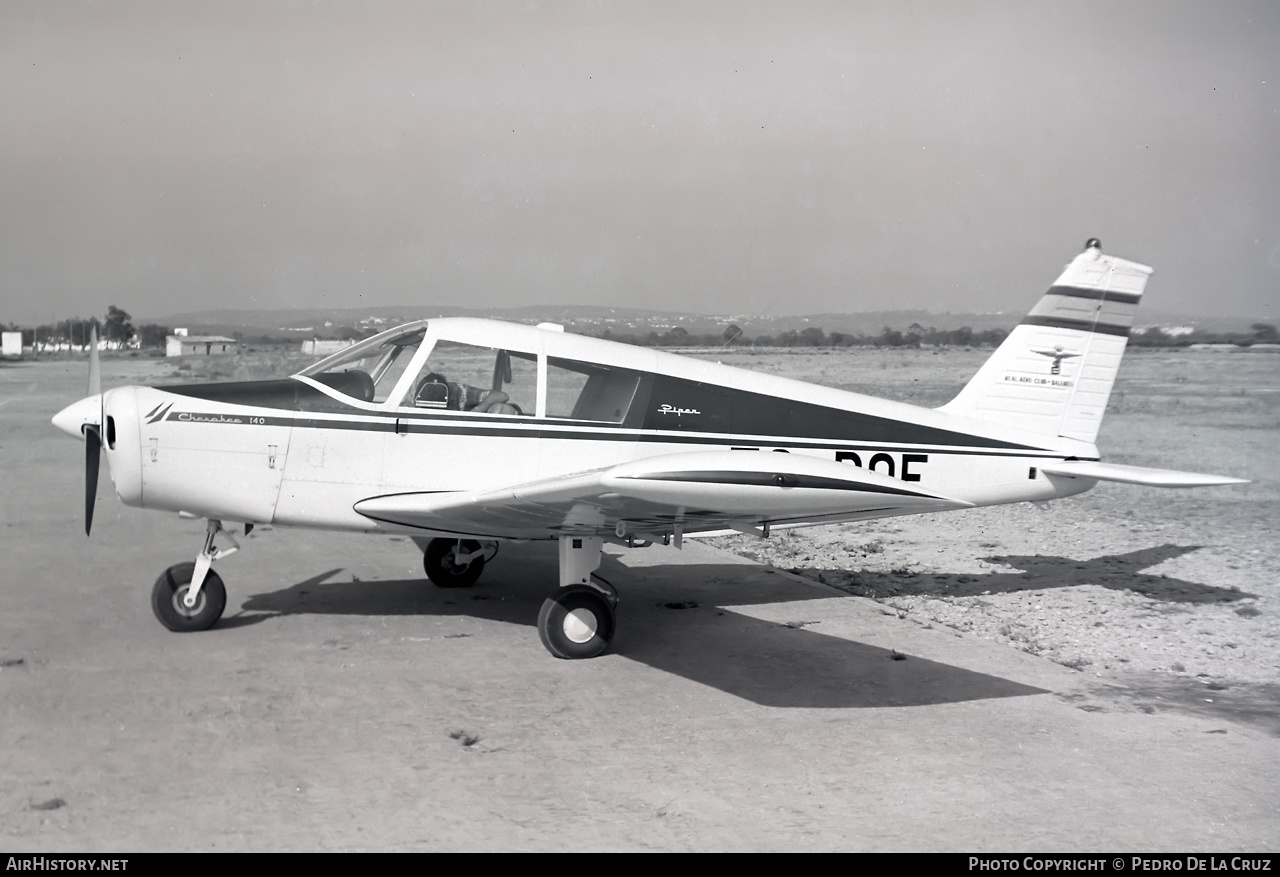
point(1137, 474)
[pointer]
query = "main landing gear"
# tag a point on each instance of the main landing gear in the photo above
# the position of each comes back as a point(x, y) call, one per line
point(191, 596)
point(456, 563)
point(578, 619)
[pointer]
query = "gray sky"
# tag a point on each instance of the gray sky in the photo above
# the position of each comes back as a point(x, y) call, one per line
point(723, 157)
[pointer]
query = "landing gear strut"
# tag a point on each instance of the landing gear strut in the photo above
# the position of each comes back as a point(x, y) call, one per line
point(191, 596)
point(577, 620)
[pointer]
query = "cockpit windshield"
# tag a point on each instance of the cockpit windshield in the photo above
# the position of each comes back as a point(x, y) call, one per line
point(369, 370)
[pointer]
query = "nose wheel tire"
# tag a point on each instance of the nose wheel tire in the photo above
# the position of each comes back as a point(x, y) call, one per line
point(576, 622)
point(443, 571)
point(171, 589)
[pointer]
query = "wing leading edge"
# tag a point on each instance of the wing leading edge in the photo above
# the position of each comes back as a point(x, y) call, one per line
point(695, 492)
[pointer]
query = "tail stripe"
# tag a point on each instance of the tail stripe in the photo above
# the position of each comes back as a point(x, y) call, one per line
point(1127, 298)
point(1078, 325)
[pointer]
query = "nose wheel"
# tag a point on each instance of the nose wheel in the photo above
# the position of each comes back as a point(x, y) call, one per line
point(168, 599)
point(191, 596)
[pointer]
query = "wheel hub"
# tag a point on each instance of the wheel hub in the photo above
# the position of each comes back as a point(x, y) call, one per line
point(580, 625)
point(180, 606)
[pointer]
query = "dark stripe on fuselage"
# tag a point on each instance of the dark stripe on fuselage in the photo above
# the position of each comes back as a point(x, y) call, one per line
point(514, 428)
point(1079, 325)
point(671, 406)
point(769, 479)
point(679, 405)
point(1127, 298)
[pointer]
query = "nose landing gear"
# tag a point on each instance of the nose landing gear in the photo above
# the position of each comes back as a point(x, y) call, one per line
point(168, 599)
point(190, 596)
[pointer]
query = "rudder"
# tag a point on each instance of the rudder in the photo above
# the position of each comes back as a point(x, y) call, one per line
point(1054, 373)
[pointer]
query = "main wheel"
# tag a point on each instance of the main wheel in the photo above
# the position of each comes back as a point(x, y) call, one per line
point(576, 622)
point(441, 569)
point(171, 589)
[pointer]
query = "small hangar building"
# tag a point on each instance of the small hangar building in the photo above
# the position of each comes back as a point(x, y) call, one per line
point(200, 345)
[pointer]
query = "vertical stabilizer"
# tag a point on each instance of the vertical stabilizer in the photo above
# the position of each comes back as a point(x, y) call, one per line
point(1054, 373)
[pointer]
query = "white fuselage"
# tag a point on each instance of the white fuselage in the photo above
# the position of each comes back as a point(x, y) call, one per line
point(238, 459)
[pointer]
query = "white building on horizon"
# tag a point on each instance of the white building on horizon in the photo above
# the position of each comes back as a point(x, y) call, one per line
point(200, 345)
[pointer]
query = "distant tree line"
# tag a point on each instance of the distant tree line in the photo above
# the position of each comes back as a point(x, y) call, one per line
point(815, 336)
point(116, 327)
point(920, 336)
point(1262, 333)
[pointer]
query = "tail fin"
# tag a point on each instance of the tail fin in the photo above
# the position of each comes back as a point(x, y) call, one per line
point(1054, 372)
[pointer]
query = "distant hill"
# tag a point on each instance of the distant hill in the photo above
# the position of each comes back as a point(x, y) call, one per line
point(595, 320)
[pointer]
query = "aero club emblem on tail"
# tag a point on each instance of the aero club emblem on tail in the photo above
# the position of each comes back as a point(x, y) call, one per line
point(1058, 355)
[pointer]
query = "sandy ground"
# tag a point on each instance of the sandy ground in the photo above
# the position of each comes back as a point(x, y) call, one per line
point(1099, 675)
point(1121, 580)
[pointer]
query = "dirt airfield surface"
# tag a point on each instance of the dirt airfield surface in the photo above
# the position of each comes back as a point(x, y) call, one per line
point(1099, 675)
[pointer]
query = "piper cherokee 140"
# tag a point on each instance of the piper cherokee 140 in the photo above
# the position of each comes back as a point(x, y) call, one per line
point(464, 433)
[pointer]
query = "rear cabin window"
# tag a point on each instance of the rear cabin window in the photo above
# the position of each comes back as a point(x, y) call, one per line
point(589, 391)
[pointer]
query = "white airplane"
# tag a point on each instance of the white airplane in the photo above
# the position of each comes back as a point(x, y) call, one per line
point(464, 433)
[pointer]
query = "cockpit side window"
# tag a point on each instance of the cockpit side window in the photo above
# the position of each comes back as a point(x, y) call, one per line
point(482, 380)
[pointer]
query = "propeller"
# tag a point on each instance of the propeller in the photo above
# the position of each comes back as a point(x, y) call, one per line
point(95, 370)
point(92, 434)
point(87, 420)
point(92, 459)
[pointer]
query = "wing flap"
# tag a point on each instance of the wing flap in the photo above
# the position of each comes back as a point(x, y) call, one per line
point(698, 491)
point(1136, 474)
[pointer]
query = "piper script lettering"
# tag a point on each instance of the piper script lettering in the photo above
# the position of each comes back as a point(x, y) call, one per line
point(671, 409)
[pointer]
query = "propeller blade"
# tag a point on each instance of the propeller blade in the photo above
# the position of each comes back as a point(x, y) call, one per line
point(92, 459)
point(95, 371)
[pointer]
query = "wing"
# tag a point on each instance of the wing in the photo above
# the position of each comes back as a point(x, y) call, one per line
point(691, 492)
point(1136, 474)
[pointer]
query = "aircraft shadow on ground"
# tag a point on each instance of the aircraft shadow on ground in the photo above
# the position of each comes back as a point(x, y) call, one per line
point(1120, 572)
point(684, 629)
